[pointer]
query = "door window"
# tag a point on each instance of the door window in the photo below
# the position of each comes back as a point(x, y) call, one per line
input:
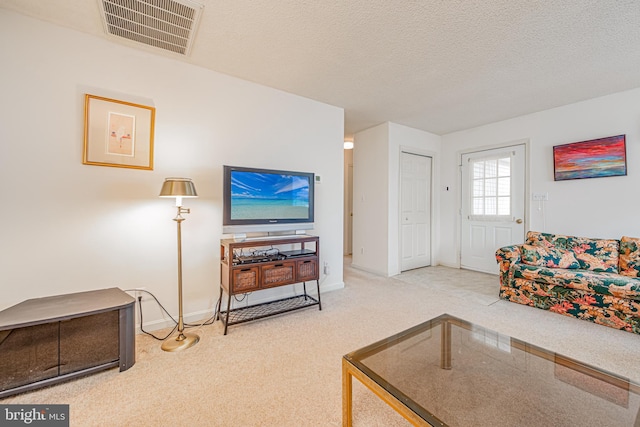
point(491, 188)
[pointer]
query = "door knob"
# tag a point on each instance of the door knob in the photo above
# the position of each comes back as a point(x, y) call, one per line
point(518, 221)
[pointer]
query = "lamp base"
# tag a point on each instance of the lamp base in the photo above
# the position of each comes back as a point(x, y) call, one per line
point(181, 342)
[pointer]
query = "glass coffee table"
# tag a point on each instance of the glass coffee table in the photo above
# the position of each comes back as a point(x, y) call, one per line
point(449, 372)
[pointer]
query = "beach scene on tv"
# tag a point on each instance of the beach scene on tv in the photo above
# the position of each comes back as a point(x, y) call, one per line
point(263, 195)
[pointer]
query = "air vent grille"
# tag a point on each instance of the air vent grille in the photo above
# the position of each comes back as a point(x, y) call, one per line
point(165, 24)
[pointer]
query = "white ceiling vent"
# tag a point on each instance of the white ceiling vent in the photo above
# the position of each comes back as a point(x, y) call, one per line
point(165, 24)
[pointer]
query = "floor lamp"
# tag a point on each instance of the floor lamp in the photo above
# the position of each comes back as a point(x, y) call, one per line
point(179, 188)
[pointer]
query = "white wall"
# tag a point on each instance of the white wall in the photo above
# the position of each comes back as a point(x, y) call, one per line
point(71, 227)
point(599, 207)
point(348, 202)
point(376, 164)
point(370, 199)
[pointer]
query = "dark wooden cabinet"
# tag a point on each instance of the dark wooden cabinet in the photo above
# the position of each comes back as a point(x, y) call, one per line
point(257, 264)
point(44, 341)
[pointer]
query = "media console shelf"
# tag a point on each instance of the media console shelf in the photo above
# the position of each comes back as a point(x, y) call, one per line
point(44, 341)
point(257, 264)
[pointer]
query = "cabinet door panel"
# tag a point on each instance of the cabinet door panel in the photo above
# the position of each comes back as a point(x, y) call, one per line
point(89, 341)
point(28, 354)
point(282, 273)
point(245, 279)
point(307, 270)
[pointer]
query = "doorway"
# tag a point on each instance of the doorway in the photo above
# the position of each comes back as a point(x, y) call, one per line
point(348, 209)
point(493, 204)
point(415, 210)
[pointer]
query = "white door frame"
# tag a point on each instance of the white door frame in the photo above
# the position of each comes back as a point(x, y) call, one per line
point(527, 169)
point(433, 199)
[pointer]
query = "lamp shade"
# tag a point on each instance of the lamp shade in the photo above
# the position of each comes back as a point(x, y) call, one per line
point(178, 187)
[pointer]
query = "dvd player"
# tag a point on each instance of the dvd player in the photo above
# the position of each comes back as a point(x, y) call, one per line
point(297, 253)
point(252, 259)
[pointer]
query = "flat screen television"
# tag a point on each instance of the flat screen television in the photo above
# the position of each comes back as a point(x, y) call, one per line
point(264, 200)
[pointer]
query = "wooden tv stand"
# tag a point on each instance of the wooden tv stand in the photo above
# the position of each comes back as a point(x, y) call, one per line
point(267, 267)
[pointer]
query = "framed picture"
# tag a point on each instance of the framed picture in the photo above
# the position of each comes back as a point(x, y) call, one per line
point(595, 158)
point(118, 133)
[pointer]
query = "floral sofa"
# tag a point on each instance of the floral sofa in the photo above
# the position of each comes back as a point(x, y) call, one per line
point(591, 279)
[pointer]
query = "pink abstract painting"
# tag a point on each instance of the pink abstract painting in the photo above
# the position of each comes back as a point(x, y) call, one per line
point(590, 159)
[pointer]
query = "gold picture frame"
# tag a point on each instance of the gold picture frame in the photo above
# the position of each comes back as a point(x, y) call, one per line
point(118, 133)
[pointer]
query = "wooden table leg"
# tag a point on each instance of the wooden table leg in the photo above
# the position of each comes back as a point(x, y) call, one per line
point(347, 393)
point(349, 371)
point(445, 345)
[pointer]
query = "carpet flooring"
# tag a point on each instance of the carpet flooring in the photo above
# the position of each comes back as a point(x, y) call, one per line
point(286, 370)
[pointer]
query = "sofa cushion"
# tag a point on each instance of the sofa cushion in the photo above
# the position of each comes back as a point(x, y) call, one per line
point(549, 240)
point(630, 256)
point(605, 310)
point(592, 254)
point(591, 281)
point(544, 256)
point(596, 254)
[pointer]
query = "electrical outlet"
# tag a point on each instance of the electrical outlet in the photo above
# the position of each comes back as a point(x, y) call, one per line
point(140, 294)
point(326, 268)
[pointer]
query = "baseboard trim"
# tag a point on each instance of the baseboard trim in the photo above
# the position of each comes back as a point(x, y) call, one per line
point(446, 264)
point(370, 270)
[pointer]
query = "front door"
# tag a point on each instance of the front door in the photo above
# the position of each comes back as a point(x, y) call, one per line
point(415, 211)
point(493, 205)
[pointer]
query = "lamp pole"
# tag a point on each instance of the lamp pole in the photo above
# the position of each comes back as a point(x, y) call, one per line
point(183, 340)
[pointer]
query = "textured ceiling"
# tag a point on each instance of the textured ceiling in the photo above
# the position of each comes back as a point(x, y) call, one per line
point(436, 65)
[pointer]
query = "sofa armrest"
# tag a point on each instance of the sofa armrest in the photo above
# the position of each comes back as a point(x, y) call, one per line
point(506, 257)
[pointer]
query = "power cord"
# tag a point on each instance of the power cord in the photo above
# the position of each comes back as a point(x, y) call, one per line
point(244, 296)
point(207, 322)
point(218, 308)
point(216, 312)
point(149, 333)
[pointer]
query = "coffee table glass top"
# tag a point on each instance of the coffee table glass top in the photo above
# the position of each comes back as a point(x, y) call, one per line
point(451, 372)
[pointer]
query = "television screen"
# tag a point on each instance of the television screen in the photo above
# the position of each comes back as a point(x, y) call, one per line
point(263, 197)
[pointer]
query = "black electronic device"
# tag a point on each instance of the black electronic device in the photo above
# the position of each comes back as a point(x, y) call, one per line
point(298, 253)
point(251, 259)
